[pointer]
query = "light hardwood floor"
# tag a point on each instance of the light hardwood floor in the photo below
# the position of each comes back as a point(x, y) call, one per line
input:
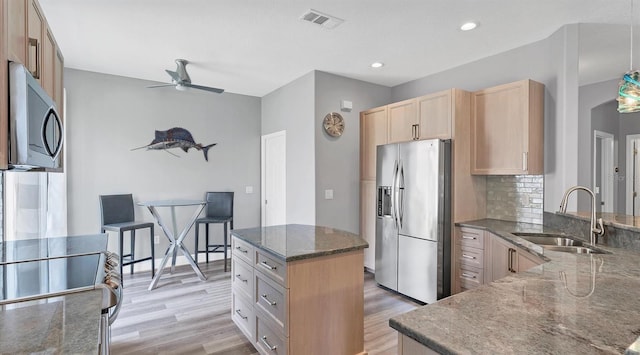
point(184, 315)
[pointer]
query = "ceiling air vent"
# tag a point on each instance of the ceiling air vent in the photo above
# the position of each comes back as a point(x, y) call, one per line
point(320, 19)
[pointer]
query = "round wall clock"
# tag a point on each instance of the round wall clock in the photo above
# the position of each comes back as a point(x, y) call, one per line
point(333, 124)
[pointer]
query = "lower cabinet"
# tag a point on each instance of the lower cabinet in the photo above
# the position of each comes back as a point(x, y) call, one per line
point(408, 346)
point(482, 257)
point(308, 306)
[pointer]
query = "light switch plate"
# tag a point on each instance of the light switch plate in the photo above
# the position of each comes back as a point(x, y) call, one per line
point(328, 194)
point(248, 189)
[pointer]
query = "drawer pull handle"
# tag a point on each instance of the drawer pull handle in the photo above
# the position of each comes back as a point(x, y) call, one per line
point(240, 314)
point(241, 279)
point(468, 256)
point(467, 237)
point(264, 297)
point(265, 265)
point(266, 343)
point(464, 274)
point(241, 250)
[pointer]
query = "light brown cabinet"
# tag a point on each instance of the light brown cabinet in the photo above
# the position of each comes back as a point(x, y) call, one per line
point(434, 115)
point(402, 121)
point(373, 132)
point(36, 31)
point(507, 129)
point(507, 259)
point(368, 221)
point(481, 257)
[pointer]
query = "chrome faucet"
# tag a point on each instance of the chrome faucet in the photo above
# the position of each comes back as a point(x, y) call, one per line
point(595, 230)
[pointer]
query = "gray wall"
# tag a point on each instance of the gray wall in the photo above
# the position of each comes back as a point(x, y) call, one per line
point(553, 62)
point(109, 115)
point(338, 159)
point(290, 108)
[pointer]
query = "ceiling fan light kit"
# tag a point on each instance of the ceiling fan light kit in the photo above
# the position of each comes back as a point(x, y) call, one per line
point(181, 81)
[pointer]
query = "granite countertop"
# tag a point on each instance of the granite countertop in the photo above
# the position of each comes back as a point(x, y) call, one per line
point(58, 325)
point(297, 241)
point(576, 304)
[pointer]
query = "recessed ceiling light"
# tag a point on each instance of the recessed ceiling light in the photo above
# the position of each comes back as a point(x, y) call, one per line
point(377, 65)
point(468, 26)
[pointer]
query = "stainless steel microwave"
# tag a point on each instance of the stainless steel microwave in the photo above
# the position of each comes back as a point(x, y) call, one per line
point(35, 128)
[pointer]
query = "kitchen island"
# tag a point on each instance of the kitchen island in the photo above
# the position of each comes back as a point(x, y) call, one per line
point(299, 289)
point(577, 304)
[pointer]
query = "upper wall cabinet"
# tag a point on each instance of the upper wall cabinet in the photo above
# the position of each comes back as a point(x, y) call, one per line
point(402, 121)
point(434, 115)
point(373, 132)
point(507, 132)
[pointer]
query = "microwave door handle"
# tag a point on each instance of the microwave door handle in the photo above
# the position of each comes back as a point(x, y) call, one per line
point(57, 150)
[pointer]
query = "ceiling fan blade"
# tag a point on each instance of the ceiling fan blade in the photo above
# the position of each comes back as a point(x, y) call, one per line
point(216, 90)
point(173, 75)
point(160, 86)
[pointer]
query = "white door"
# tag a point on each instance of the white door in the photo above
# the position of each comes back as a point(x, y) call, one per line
point(274, 179)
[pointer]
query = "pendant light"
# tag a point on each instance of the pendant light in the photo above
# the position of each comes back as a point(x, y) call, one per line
point(629, 90)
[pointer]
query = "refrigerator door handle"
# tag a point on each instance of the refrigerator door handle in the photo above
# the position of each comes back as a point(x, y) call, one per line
point(400, 203)
point(394, 194)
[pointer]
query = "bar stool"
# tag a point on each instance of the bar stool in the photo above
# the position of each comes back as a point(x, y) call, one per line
point(117, 214)
point(219, 210)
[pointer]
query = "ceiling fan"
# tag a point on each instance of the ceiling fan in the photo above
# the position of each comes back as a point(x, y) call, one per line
point(181, 80)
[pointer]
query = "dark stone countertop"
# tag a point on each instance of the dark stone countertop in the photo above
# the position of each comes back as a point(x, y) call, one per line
point(297, 241)
point(58, 325)
point(595, 311)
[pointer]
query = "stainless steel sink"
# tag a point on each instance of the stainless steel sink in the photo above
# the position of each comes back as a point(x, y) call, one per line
point(573, 249)
point(543, 239)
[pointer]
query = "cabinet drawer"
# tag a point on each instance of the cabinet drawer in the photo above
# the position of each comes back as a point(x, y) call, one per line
point(242, 277)
point(242, 314)
point(272, 267)
point(471, 257)
point(268, 340)
point(242, 250)
point(472, 238)
point(271, 298)
point(470, 276)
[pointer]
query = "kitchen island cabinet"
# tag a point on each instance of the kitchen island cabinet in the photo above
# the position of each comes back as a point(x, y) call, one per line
point(299, 289)
point(536, 311)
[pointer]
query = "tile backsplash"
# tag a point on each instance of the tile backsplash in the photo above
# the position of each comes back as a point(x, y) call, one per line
point(515, 198)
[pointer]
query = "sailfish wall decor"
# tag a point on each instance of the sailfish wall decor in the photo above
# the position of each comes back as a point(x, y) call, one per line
point(176, 138)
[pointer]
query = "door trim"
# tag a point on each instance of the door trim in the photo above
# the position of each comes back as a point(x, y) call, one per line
point(629, 174)
point(607, 160)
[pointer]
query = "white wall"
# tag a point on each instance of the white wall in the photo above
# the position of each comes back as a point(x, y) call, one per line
point(338, 159)
point(290, 108)
point(109, 115)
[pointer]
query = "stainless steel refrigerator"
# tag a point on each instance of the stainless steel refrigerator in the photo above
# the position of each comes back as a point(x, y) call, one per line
point(413, 224)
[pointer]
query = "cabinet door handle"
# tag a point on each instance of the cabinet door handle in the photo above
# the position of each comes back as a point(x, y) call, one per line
point(468, 275)
point(264, 297)
point(415, 131)
point(266, 265)
point(33, 42)
point(510, 260)
point(241, 250)
point(241, 279)
point(266, 343)
point(525, 162)
point(240, 314)
point(468, 256)
point(469, 238)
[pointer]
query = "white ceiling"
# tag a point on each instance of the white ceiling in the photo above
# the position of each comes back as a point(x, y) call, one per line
point(253, 47)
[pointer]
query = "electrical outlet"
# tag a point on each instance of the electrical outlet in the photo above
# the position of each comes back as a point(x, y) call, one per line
point(156, 239)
